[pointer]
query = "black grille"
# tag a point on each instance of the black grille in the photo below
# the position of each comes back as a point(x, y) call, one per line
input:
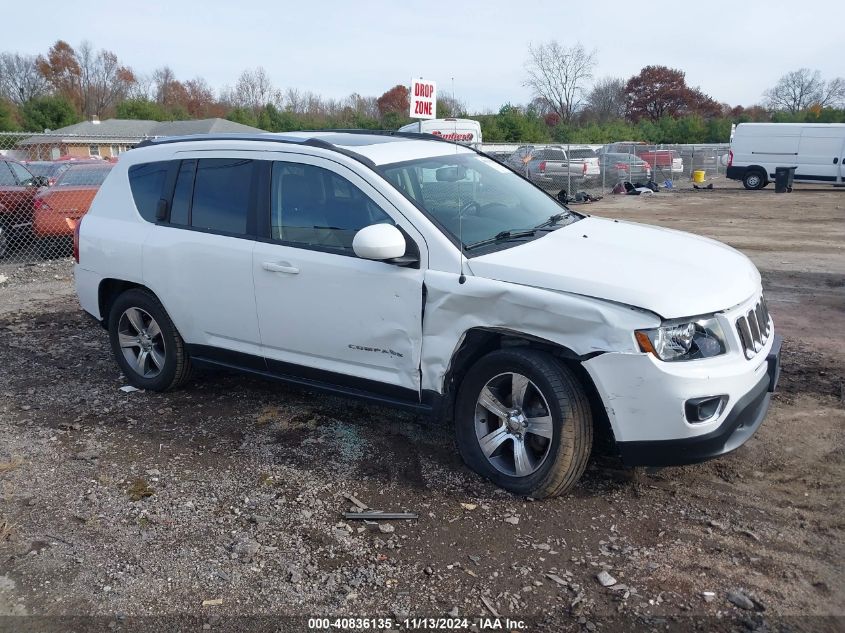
point(754, 328)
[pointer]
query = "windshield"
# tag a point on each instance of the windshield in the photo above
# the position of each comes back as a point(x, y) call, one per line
point(88, 176)
point(476, 199)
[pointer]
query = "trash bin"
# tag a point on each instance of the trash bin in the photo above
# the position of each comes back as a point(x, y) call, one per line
point(784, 177)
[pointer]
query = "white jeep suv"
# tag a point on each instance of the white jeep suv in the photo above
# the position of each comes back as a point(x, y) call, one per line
point(415, 272)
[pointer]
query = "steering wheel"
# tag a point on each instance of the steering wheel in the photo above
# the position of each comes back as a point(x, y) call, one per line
point(470, 206)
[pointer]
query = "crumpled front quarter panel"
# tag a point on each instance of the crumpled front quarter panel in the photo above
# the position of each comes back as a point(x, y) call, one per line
point(581, 324)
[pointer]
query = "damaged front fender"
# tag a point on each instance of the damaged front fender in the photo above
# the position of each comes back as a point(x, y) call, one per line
point(584, 325)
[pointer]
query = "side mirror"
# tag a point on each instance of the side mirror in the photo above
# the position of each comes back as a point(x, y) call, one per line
point(379, 242)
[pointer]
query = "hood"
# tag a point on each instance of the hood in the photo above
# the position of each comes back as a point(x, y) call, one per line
point(668, 272)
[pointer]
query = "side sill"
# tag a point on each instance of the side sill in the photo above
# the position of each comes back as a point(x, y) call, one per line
point(317, 385)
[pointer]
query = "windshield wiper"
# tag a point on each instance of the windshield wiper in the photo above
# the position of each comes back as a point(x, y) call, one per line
point(499, 237)
point(557, 217)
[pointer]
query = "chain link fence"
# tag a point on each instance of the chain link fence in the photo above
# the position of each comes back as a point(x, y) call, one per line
point(602, 169)
point(47, 181)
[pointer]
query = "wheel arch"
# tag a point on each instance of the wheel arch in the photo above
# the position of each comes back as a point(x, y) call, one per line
point(109, 290)
point(479, 341)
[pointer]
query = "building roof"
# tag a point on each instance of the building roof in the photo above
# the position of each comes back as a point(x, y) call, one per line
point(131, 130)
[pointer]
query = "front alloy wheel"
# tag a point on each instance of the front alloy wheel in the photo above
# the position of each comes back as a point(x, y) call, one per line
point(522, 419)
point(513, 424)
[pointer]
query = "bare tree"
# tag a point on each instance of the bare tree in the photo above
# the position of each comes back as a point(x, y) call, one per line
point(108, 82)
point(557, 75)
point(802, 88)
point(606, 101)
point(20, 79)
point(254, 90)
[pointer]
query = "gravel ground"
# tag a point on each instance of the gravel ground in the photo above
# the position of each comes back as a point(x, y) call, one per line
point(124, 506)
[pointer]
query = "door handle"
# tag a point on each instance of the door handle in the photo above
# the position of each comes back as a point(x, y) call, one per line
point(280, 267)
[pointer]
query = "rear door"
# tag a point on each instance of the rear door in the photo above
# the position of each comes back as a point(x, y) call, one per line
point(818, 155)
point(199, 262)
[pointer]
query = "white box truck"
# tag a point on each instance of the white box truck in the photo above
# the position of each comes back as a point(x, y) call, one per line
point(816, 150)
point(463, 131)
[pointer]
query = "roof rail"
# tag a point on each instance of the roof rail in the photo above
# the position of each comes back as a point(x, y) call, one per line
point(413, 135)
point(265, 138)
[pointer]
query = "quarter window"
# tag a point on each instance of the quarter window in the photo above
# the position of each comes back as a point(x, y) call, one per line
point(314, 207)
point(93, 150)
point(147, 184)
point(221, 198)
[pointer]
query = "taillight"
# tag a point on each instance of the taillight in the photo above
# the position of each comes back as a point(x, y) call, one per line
point(542, 166)
point(76, 228)
point(646, 164)
point(730, 158)
point(584, 168)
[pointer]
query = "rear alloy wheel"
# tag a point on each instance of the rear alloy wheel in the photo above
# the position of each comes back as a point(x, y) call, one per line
point(754, 180)
point(523, 421)
point(145, 342)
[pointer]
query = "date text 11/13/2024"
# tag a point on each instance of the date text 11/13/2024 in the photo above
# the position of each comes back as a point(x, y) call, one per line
point(416, 624)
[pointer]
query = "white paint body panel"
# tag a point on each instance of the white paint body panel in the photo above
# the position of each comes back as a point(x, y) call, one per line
point(668, 272)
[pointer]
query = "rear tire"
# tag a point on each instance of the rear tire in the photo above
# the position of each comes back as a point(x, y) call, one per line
point(539, 442)
point(145, 342)
point(755, 180)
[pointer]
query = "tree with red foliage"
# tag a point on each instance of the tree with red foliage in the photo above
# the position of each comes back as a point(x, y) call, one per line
point(659, 92)
point(396, 100)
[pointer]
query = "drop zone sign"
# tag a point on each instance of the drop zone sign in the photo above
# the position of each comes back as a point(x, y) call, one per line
point(423, 99)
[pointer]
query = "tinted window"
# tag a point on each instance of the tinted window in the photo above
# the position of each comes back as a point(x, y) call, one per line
point(182, 193)
point(6, 177)
point(312, 206)
point(83, 176)
point(221, 194)
point(582, 153)
point(147, 184)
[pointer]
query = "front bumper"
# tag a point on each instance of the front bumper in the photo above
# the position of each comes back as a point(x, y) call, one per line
point(645, 399)
point(737, 428)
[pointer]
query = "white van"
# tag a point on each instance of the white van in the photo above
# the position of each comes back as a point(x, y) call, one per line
point(816, 149)
point(463, 131)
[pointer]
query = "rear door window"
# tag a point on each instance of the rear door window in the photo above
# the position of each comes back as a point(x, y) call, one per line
point(180, 208)
point(222, 194)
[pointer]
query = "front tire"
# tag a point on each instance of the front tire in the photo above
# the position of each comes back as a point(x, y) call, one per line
point(523, 421)
point(754, 180)
point(145, 342)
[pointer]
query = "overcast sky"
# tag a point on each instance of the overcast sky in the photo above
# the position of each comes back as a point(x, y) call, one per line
point(731, 50)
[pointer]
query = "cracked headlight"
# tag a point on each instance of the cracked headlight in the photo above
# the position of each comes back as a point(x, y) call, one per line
point(702, 338)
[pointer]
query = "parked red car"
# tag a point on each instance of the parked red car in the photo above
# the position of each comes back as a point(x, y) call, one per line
point(17, 190)
point(57, 209)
